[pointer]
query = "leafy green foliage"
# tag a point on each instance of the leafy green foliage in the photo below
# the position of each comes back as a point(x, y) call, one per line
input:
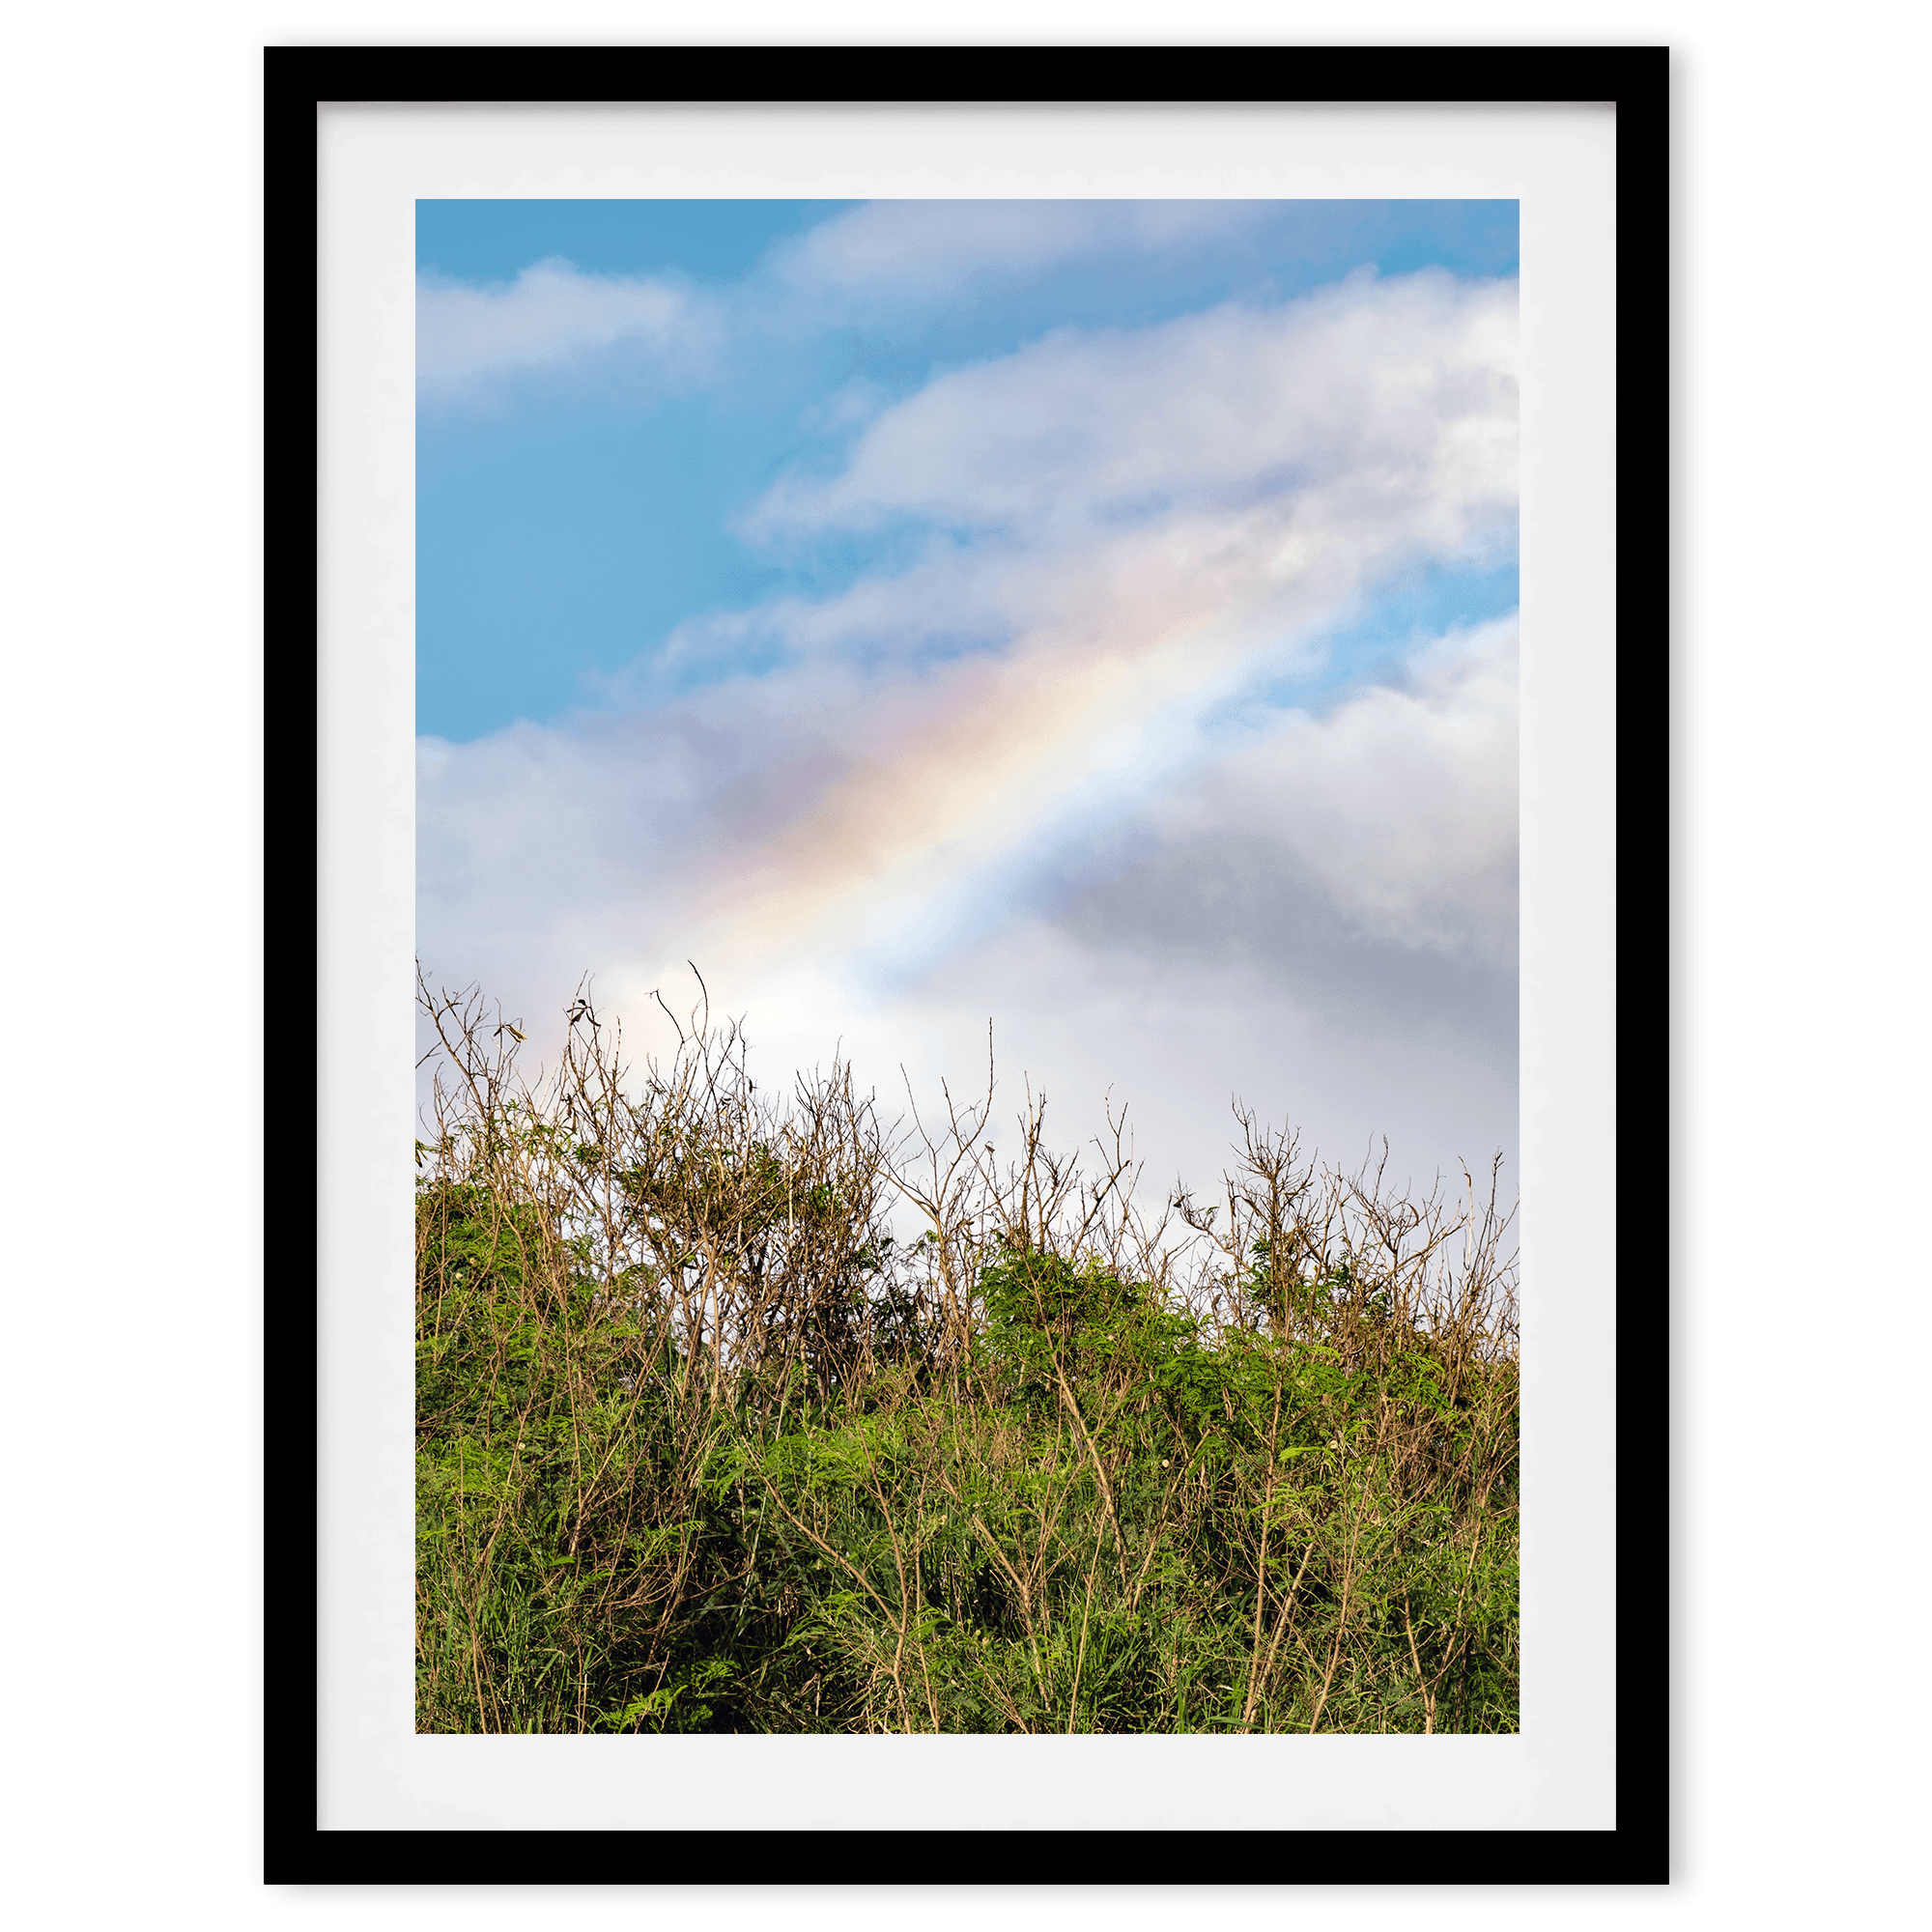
point(700, 1447)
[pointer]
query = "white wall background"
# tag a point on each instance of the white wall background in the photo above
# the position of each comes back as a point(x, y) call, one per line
point(131, 581)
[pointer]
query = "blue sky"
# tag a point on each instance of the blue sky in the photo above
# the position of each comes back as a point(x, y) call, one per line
point(1096, 617)
point(566, 528)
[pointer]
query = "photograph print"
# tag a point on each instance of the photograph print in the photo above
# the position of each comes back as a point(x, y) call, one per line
point(967, 950)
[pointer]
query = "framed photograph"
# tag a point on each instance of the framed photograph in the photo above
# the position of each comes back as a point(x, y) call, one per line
point(972, 1005)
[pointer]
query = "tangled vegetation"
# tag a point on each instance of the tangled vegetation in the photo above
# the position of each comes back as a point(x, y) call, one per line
point(701, 1446)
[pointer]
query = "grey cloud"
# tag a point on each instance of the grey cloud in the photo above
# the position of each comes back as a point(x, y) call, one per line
point(1234, 901)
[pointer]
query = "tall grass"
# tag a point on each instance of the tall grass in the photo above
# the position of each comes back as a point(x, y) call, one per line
point(702, 1446)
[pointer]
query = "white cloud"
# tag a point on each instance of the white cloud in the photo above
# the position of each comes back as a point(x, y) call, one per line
point(1401, 805)
point(550, 314)
point(1390, 404)
point(1000, 780)
point(1322, 921)
point(898, 253)
point(879, 262)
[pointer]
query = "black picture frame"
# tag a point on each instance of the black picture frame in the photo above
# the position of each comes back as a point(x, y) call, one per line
point(1636, 79)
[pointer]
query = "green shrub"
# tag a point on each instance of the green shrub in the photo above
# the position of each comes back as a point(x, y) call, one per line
point(703, 1446)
